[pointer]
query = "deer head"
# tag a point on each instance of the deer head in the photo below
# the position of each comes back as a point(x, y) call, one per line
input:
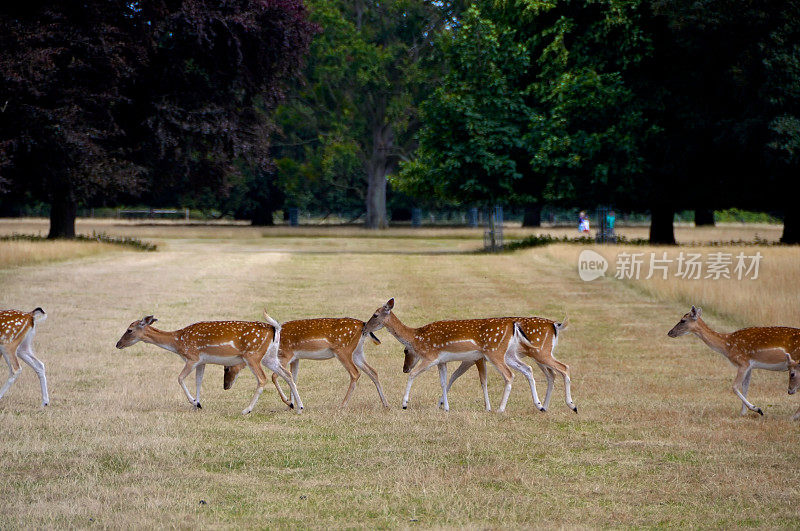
point(135, 332)
point(376, 322)
point(687, 324)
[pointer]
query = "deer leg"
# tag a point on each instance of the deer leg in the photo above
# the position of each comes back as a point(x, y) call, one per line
point(280, 391)
point(26, 354)
point(354, 376)
point(423, 366)
point(515, 363)
point(361, 363)
point(745, 387)
point(283, 360)
point(462, 368)
point(198, 382)
point(481, 365)
point(508, 377)
point(556, 366)
point(737, 382)
point(275, 366)
point(548, 373)
point(443, 381)
point(14, 369)
point(28, 357)
point(189, 367)
point(260, 385)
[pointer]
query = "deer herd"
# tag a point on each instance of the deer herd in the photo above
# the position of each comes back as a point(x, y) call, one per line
point(505, 342)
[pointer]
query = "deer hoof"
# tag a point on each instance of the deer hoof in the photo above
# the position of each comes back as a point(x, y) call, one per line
point(575, 409)
point(291, 406)
point(758, 410)
point(405, 407)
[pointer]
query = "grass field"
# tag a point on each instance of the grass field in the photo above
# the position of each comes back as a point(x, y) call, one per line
point(17, 253)
point(658, 440)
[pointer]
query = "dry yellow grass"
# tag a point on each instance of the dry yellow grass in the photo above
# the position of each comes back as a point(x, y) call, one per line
point(658, 440)
point(771, 299)
point(16, 253)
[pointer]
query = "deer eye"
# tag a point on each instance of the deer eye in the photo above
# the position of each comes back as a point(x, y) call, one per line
point(792, 374)
point(683, 320)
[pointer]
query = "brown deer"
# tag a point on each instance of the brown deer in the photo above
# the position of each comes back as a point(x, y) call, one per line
point(326, 338)
point(764, 347)
point(468, 340)
point(17, 330)
point(538, 340)
point(219, 342)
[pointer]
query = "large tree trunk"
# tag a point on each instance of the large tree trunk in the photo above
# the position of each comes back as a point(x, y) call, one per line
point(63, 212)
point(532, 216)
point(376, 199)
point(262, 217)
point(791, 227)
point(378, 167)
point(661, 230)
point(703, 216)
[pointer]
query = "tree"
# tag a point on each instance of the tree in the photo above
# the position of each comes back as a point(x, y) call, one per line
point(475, 145)
point(666, 105)
point(742, 102)
point(107, 96)
point(354, 117)
point(62, 66)
point(201, 108)
point(534, 106)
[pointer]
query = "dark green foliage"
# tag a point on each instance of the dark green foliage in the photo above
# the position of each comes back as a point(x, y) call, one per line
point(663, 105)
point(353, 116)
point(103, 98)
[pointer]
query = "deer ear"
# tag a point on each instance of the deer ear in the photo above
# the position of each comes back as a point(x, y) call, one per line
point(389, 304)
point(148, 320)
point(789, 359)
point(695, 313)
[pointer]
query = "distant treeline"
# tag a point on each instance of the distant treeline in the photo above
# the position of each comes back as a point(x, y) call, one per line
point(369, 110)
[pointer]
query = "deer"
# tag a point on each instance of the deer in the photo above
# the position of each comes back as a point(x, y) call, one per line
point(537, 339)
point(322, 339)
point(225, 343)
point(764, 347)
point(17, 330)
point(472, 340)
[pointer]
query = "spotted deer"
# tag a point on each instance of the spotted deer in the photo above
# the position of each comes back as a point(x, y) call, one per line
point(538, 338)
point(470, 340)
point(17, 330)
point(764, 347)
point(219, 342)
point(326, 338)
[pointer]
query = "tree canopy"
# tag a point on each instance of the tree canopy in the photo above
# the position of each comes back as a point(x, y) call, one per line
point(658, 105)
point(108, 97)
point(353, 117)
